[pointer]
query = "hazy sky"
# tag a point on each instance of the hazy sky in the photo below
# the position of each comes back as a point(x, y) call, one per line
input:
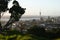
point(46, 7)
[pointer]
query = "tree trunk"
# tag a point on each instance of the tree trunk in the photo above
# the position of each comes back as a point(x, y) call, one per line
point(0, 23)
point(0, 19)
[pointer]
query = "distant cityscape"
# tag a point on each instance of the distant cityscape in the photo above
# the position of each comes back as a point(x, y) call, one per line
point(29, 17)
point(48, 23)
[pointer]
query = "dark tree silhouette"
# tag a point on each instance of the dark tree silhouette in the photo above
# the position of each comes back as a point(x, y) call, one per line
point(3, 8)
point(16, 13)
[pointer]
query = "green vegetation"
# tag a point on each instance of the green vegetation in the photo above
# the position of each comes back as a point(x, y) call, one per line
point(16, 35)
point(34, 33)
point(21, 37)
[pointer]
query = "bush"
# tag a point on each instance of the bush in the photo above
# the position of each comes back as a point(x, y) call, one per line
point(36, 30)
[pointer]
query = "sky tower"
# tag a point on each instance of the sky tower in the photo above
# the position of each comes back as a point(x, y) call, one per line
point(40, 15)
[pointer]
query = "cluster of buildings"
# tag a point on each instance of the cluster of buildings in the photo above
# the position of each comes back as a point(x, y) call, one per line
point(48, 23)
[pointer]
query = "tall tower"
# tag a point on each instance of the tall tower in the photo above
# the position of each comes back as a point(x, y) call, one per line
point(40, 15)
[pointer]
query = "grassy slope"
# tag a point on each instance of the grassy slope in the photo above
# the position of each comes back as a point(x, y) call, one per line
point(21, 37)
point(15, 35)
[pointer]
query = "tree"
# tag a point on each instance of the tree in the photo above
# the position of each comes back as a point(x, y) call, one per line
point(3, 8)
point(16, 12)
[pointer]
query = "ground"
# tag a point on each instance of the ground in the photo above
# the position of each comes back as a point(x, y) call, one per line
point(15, 35)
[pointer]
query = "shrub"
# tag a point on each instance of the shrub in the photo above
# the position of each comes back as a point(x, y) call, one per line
point(36, 30)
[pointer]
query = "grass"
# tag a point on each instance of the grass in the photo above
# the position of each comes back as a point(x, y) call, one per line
point(15, 35)
point(21, 37)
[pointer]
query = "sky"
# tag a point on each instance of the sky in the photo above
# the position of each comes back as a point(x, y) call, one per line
point(34, 7)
